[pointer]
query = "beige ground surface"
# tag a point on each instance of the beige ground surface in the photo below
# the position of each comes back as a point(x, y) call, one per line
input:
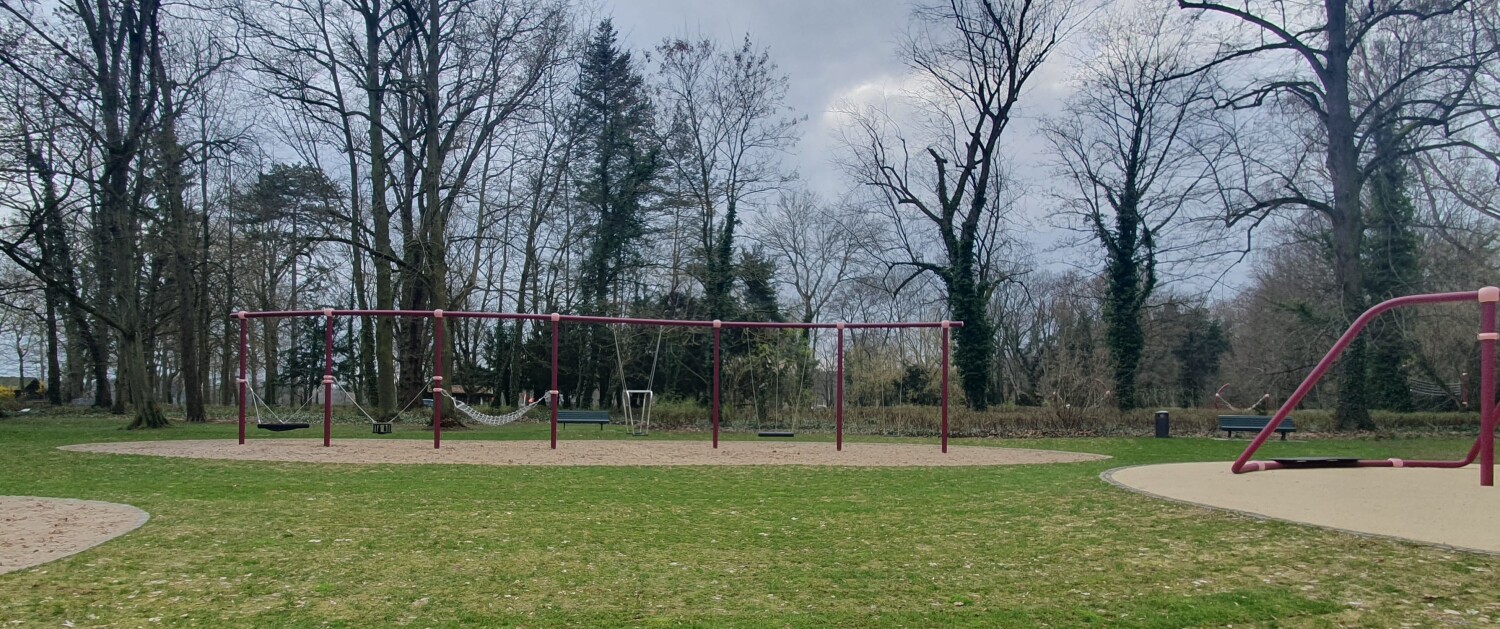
point(1444, 507)
point(588, 452)
point(39, 530)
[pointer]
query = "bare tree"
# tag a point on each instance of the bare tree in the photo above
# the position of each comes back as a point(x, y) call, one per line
point(976, 58)
point(819, 248)
point(91, 61)
point(1130, 147)
point(1311, 58)
point(727, 129)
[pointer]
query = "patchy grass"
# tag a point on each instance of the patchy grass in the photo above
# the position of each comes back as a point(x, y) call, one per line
point(283, 544)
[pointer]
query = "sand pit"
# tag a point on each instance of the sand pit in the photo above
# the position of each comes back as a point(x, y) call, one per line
point(38, 530)
point(617, 453)
point(1429, 506)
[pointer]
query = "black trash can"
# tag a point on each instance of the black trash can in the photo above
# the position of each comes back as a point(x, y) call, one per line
point(1163, 425)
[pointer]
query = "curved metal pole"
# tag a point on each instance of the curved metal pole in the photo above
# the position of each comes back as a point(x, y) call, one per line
point(1488, 295)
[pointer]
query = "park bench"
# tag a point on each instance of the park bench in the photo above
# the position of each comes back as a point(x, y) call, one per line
point(583, 417)
point(1231, 424)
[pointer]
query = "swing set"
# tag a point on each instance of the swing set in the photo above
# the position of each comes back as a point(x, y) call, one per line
point(639, 422)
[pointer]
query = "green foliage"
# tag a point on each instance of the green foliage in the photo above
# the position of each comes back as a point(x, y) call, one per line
point(1392, 269)
point(304, 363)
point(1198, 352)
point(619, 163)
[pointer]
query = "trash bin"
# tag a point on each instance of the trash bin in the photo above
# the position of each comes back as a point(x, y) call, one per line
point(1163, 425)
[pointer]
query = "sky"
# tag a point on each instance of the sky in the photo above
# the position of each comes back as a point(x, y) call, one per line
point(838, 53)
point(831, 51)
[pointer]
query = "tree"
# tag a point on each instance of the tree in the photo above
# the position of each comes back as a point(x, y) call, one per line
point(1199, 349)
point(976, 58)
point(1310, 58)
point(619, 162)
point(818, 248)
point(1130, 146)
point(726, 131)
point(92, 63)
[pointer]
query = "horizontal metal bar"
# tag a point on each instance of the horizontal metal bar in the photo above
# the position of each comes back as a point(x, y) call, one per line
point(284, 314)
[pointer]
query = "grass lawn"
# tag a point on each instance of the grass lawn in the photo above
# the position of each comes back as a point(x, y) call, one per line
point(282, 544)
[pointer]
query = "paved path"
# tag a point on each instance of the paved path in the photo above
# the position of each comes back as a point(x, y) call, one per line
point(1432, 506)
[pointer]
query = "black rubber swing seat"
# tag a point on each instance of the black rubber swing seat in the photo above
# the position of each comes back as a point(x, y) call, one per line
point(281, 427)
point(1317, 461)
point(776, 433)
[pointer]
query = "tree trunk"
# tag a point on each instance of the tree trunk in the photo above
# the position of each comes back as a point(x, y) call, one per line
point(975, 341)
point(173, 188)
point(1346, 219)
point(54, 364)
point(385, 294)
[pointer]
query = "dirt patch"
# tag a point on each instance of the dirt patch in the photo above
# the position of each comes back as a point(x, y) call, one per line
point(1444, 507)
point(38, 530)
point(629, 453)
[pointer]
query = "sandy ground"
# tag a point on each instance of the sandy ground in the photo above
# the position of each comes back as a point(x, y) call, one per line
point(1432, 506)
point(39, 530)
point(608, 452)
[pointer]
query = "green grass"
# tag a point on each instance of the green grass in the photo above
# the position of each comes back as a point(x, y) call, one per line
point(280, 544)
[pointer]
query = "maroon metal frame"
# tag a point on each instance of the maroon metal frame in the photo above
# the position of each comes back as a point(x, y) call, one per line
point(1484, 445)
point(439, 317)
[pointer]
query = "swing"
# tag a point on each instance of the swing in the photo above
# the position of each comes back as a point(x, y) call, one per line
point(639, 424)
point(282, 427)
point(781, 433)
point(277, 424)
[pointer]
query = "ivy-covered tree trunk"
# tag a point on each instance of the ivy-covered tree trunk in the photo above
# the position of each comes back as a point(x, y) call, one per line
point(1391, 270)
point(974, 343)
point(1131, 274)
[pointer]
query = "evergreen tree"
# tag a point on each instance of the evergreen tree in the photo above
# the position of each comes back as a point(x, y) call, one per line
point(1198, 352)
point(613, 125)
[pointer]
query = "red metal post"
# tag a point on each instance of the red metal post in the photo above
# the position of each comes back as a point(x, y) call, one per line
point(244, 347)
point(1488, 295)
point(838, 395)
point(1487, 339)
point(556, 397)
point(714, 411)
point(437, 379)
point(328, 380)
point(945, 387)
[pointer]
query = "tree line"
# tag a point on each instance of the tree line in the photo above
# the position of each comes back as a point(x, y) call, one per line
point(165, 165)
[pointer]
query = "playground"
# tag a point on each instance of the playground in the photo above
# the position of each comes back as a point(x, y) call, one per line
point(532, 521)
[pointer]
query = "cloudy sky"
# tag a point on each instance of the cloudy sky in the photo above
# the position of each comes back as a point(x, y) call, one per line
point(831, 50)
point(836, 53)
